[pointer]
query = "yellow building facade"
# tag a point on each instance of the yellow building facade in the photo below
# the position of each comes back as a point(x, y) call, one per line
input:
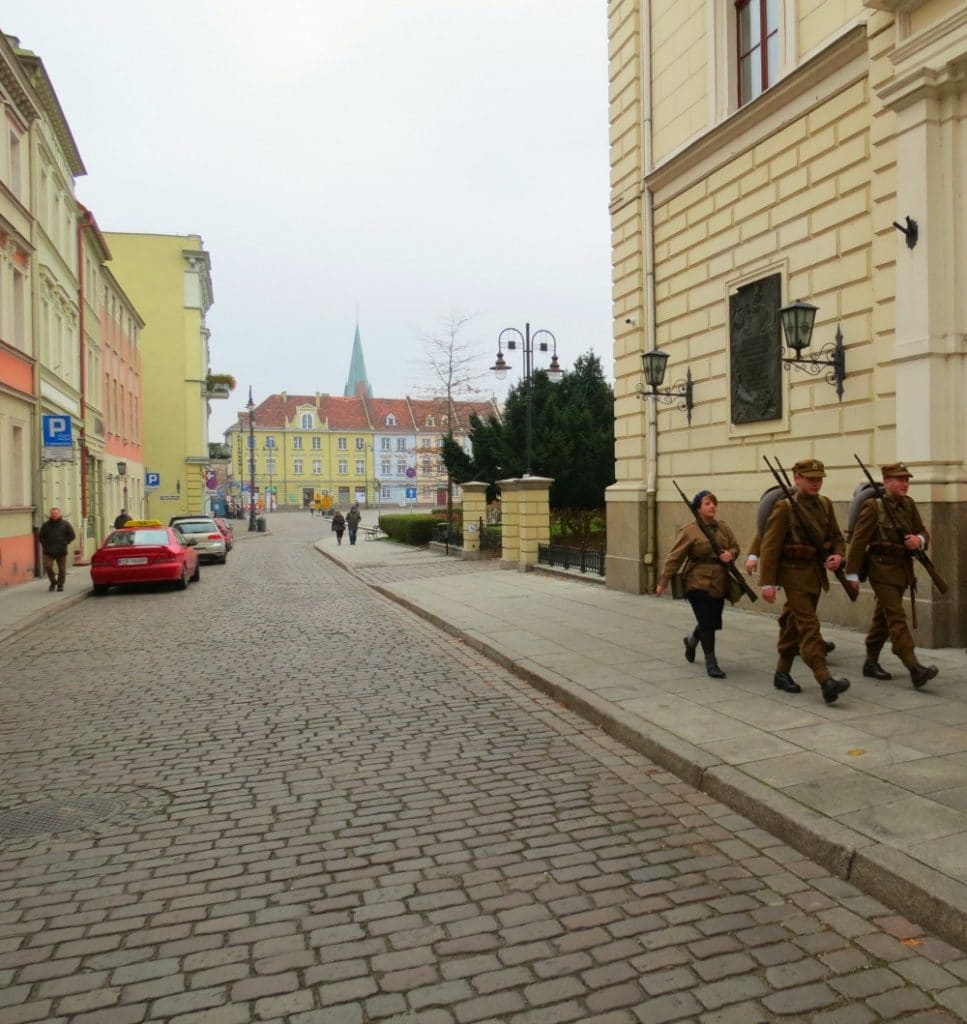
point(764, 153)
point(168, 281)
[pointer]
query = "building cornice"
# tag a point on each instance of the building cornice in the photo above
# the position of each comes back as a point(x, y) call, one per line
point(829, 72)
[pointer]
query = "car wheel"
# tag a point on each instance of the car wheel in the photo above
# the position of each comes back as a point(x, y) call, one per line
point(196, 575)
point(182, 582)
point(101, 589)
point(222, 560)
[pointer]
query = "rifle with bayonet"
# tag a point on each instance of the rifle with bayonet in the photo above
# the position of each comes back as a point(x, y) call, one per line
point(807, 527)
point(730, 568)
point(918, 553)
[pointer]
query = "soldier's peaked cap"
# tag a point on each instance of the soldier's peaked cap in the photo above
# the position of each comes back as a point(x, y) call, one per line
point(811, 469)
point(895, 469)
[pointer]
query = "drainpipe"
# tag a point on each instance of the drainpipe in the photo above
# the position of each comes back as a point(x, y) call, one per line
point(84, 221)
point(651, 408)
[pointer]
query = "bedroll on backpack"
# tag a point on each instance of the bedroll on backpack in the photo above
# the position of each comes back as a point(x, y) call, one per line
point(766, 503)
point(861, 496)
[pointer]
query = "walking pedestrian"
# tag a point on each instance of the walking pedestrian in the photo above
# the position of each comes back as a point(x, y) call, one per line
point(888, 560)
point(789, 560)
point(352, 522)
point(121, 519)
point(338, 525)
point(55, 536)
point(706, 580)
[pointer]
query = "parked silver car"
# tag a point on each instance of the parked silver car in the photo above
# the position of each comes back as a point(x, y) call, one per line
point(209, 542)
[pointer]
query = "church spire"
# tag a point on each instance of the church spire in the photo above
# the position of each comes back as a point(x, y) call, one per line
point(357, 382)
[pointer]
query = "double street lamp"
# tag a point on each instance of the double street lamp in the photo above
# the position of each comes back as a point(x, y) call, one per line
point(252, 524)
point(501, 366)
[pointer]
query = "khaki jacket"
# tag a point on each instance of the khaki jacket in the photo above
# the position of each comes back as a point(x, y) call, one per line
point(707, 572)
point(875, 540)
point(784, 560)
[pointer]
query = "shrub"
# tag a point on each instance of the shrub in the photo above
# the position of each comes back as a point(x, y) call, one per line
point(408, 529)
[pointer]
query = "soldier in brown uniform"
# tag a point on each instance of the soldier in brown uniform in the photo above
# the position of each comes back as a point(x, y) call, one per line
point(706, 581)
point(788, 560)
point(890, 567)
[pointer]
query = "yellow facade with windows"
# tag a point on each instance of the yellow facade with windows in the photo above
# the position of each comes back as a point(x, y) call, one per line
point(861, 122)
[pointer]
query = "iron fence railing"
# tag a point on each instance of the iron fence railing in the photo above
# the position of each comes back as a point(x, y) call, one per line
point(445, 534)
point(564, 557)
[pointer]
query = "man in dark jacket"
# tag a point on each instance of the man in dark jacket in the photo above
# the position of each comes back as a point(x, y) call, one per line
point(121, 519)
point(55, 536)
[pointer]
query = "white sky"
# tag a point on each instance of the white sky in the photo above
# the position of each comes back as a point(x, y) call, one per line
point(415, 157)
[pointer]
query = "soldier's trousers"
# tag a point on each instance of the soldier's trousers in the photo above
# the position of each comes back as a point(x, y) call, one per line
point(799, 633)
point(890, 621)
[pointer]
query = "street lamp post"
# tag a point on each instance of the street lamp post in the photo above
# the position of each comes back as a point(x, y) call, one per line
point(252, 524)
point(554, 371)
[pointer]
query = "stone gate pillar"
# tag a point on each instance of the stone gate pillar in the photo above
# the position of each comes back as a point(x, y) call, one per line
point(474, 512)
point(534, 509)
point(509, 523)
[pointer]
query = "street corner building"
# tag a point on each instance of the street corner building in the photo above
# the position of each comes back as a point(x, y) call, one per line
point(773, 155)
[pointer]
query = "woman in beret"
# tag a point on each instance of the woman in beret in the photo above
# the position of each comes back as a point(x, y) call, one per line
point(706, 581)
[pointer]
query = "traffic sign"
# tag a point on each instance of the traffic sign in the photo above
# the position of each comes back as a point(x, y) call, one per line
point(411, 494)
point(57, 431)
point(152, 479)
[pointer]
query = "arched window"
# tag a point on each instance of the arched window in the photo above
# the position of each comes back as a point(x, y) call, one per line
point(307, 421)
point(391, 420)
point(429, 421)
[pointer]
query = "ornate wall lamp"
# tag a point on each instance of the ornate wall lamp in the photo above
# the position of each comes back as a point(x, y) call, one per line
point(797, 325)
point(653, 366)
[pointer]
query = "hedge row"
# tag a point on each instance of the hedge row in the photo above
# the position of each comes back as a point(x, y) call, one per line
point(408, 529)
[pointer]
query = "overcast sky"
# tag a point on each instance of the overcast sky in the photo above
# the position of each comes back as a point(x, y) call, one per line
point(417, 158)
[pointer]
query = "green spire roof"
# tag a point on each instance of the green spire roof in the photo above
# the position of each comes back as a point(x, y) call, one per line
point(357, 382)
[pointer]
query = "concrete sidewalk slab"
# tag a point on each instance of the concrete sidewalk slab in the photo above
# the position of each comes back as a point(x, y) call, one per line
point(874, 787)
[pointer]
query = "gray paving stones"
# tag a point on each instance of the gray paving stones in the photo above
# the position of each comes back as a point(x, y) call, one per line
point(365, 820)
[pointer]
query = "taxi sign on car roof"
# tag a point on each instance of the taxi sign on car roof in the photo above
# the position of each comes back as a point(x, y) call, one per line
point(133, 524)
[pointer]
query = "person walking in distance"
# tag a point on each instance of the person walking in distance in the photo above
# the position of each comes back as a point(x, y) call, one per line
point(352, 522)
point(789, 560)
point(889, 564)
point(55, 537)
point(338, 525)
point(706, 582)
point(121, 519)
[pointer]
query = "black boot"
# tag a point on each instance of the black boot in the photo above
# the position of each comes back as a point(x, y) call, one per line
point(691, 642)
point(707, 638)
point(872, 669)
point(922, 674)
point(832, 688)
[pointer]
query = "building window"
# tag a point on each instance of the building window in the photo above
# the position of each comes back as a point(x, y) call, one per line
point(316, 443)
point(401, 444)
point(391, 420)
point(269, 441)
point(297, 443)
point(757, 24)
point(359, 444)
point(400, 467)
point(385, 467)
point(425, 442)
point(297, 467)
point(360, 467)
point(317, 467)
point(426, 467)
point(270, 466)
point(343, 467)
point(385, 443)
point(429, 421)
point(249, 440)
point(307, 421)
point(341, 444)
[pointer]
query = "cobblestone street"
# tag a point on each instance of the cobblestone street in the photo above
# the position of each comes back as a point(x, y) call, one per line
point(279, 796)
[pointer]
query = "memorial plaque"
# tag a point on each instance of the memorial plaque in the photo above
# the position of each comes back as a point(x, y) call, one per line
point(756, 351)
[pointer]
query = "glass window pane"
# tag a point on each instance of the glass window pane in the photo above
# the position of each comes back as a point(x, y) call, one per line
point(772, 56)
point(772, 16)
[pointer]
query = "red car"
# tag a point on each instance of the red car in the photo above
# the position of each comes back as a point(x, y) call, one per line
point(225, 529)
point(144, 551)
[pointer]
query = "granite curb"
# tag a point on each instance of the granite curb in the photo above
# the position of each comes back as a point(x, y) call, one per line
point(919, 892)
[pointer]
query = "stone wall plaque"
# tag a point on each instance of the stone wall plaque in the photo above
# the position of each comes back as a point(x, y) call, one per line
point(756, 351)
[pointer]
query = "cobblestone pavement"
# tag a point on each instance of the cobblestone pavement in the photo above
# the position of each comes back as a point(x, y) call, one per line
point(279, 797)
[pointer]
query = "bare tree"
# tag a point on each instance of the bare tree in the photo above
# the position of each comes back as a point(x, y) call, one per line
point(453, 369)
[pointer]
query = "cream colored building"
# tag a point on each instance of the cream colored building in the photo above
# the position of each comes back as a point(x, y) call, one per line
point(742, 181)
point(167, 279)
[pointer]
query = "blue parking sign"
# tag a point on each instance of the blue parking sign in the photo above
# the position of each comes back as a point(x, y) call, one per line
point(57, 431)
point(152, 479)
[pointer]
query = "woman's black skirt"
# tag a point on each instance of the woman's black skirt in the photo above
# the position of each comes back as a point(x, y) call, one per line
point(708, 610)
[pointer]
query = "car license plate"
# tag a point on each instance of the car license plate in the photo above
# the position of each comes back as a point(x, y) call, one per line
point(132, 561)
